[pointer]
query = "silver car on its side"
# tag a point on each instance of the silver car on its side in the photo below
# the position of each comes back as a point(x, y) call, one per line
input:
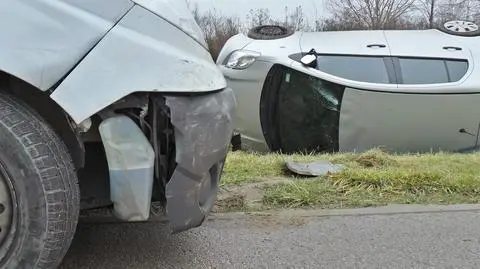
point(406, 91)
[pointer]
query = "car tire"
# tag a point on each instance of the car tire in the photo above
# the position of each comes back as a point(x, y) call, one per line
point(269, 32)
point(236, 142)
point(40, 212)
point(460, 28)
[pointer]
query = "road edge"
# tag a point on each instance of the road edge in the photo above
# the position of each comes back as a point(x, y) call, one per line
point(308, 213)
point(381, 210)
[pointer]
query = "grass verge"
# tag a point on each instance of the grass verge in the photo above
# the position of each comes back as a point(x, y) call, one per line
point(369, 179)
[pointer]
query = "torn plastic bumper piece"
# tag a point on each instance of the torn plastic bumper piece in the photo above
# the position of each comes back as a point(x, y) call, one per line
point(203, 127)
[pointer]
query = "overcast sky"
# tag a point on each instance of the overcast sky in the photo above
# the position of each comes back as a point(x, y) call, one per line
point(276, 7)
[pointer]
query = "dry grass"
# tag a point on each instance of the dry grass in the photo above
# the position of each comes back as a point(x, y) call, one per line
point(372, 178)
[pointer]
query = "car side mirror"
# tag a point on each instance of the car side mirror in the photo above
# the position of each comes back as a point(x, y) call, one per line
point(309, 60)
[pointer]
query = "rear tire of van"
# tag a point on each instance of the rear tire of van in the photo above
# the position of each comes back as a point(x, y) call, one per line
point(39, 193)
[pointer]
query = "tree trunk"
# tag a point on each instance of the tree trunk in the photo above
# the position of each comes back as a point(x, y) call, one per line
point(432, 14)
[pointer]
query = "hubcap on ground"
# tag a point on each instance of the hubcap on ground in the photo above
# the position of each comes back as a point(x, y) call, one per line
point(461, 26)
point(6, 208)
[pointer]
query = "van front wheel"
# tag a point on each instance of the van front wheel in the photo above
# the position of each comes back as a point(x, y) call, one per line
point(39, 194)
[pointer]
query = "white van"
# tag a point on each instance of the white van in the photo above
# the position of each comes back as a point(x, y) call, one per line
point(104, 103)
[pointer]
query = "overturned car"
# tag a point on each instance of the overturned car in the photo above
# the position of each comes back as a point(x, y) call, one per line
point(104, 104)
point(405, 91)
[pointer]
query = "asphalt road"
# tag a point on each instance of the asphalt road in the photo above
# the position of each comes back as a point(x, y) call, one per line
point(287, 240)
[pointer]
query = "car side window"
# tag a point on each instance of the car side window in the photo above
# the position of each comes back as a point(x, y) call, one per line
point(457, 69)
point(358, 68)
point(430, 71)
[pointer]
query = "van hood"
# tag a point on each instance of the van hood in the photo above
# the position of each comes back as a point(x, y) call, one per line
point(177, 13)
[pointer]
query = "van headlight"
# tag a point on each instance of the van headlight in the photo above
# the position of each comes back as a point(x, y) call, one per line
point(241, 59)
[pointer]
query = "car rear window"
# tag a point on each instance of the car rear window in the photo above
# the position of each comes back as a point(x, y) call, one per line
point(431, 71)
point(358, 68)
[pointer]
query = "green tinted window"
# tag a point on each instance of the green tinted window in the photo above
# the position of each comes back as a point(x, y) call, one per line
point(308, 113)
point(357, 68)
point(431, 71)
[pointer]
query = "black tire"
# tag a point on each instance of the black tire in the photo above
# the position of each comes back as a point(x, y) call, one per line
point(269, 32)
point(43, 185)
point(470, 28)
point(236, 142)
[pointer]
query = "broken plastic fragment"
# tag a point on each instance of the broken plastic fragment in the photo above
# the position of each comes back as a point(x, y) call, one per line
point(320, 168)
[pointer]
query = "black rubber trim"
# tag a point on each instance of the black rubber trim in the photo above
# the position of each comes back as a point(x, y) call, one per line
point(268, 107)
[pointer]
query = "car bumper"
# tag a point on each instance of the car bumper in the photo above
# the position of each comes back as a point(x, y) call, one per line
point(203, 127)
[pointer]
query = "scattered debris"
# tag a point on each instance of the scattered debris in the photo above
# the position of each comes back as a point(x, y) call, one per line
point(315, 169)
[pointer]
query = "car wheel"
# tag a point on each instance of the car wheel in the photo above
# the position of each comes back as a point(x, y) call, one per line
point(460, 28)
point(269, 32)
point(39, 193)
point(236, 142)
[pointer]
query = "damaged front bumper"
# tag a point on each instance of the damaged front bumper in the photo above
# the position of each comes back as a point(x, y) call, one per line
point(203, 128)
point(185, 156)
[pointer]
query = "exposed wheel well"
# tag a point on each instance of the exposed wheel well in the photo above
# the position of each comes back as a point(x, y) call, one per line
point(49, 110)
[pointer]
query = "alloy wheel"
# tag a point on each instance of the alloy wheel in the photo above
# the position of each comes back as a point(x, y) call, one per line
point(460, 26)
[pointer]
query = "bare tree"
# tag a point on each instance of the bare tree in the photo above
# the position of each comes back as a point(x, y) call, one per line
point(427, 9)
point(372, 14)
point(460, 9)
point(340, 21)
point(257, 17)
point(295, 20)
point(216, 28)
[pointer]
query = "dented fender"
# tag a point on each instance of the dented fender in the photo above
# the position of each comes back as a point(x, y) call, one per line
point(142, 53)
point(41, 41)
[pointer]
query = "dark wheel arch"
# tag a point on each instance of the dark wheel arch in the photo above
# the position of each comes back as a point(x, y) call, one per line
point(49, 110)
point(45, 186)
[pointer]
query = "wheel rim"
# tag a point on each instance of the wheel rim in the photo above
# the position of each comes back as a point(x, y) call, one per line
point(6, 205)
point(461, 26)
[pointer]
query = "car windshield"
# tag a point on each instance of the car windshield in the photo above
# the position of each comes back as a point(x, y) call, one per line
point(308, 113)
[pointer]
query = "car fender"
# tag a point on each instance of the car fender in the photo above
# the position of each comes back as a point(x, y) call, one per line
point(42, 40)
point(142, 53)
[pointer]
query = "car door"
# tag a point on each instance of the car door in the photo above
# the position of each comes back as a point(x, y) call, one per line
point(346, 42)
point(425, 43)
point(433, 108)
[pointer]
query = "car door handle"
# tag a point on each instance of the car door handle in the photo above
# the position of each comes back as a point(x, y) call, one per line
point(376, 46)
point(449, 48)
